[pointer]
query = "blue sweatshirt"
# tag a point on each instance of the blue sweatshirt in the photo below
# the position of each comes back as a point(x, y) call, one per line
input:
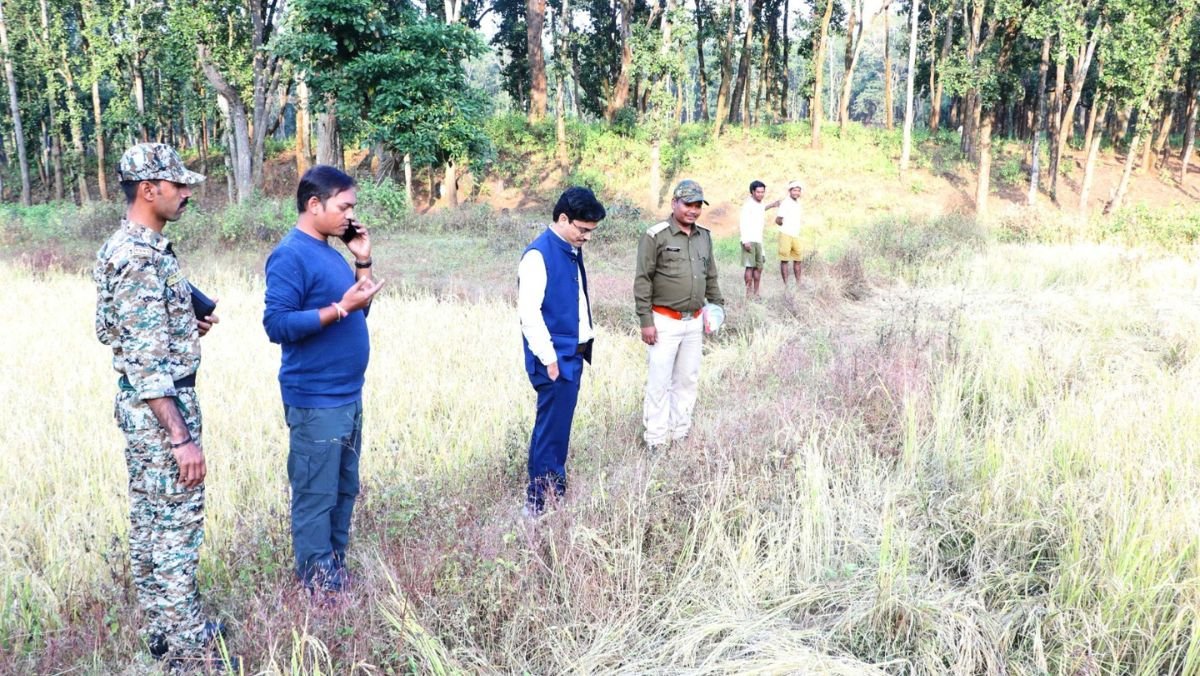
point(322, 367)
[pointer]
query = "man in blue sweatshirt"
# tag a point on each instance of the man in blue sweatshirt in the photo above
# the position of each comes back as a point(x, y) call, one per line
point(557, 332)
point(316, 309)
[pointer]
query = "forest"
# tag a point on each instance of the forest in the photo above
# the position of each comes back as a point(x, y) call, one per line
point(231, 81)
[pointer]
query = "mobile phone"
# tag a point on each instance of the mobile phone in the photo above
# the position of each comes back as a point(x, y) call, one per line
point(351, 231)
point(202, 305)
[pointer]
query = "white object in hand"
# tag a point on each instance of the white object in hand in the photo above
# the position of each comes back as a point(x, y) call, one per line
point(714, 317)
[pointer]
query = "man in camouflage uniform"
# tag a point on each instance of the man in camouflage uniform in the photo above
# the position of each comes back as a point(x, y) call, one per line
point(144, 312)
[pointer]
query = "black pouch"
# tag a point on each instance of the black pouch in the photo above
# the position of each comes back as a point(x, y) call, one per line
point(202, 305)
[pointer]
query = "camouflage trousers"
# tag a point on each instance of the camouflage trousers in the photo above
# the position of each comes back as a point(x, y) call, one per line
point(166, 524)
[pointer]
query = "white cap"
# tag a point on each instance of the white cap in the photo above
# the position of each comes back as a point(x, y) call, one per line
point(795, 184)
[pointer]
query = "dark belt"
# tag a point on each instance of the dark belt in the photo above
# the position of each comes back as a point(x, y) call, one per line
point(186, 381)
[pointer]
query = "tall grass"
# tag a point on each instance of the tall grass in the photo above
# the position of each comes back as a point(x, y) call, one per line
point(980, 467)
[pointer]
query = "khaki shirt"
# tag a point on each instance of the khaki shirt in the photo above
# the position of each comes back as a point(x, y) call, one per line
point(674, 270)
point(144, 311)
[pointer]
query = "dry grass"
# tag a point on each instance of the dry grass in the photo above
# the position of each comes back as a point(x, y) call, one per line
point(981, 460)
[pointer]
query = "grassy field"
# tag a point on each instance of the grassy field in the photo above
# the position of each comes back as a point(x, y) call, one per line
point(951, 453)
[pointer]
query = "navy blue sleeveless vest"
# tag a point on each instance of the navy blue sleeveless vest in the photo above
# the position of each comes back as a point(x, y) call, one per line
point(560, 306)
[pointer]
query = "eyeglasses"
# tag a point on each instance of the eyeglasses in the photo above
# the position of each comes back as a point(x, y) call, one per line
point(582, 230)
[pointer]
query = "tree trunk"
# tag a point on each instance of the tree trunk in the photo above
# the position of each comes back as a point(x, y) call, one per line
point(203, 148)
point(1035, 161)
point(726, 73)
point(1056, 120)
point(658, 123)
point(814, 108)
point(764, 75)
point(985, 164)
point(701, 75)
point(743, 72)
point(15, 108)
point(620, 92)
point(408, 181)
point(560, 108)
point(888, 105)
point(906, 147)
point(560, 132)
point(854, 39)
point(1100, 109)
point(1163, 133)
point(535, 17)
point(935, 83)
point(75, 118)
point(98, 123)
point(303, 129)
point(327, 137)
point(139, 91)
point(854, 31)
point(51, 102)
point(450, 185)
point(1189, 141)
point(237, 123)
point(1123, 187)
point(784, 84)
point(1083, 61)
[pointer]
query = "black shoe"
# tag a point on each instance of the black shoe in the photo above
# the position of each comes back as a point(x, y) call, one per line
point(212, 631)
point(157, 644)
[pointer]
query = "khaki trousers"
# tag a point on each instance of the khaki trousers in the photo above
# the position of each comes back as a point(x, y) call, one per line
point(673, 374)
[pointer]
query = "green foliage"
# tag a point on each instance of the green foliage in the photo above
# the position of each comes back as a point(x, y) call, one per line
point(398, 73)
point(1140, 225)
point(511, 40)
point(587, 178)
point(257, 219)
point(1010, 172)
point(382, 204)
point(624, 122)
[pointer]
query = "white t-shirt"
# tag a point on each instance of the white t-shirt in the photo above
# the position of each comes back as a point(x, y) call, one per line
point(791, 212)
point(753, 213)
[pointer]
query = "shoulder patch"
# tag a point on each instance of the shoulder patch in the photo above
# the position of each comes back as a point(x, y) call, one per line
point(655, 229)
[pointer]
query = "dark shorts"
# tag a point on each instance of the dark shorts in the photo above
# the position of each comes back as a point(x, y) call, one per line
point(754, 258)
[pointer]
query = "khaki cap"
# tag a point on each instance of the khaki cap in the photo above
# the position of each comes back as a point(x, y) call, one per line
point(689, 192)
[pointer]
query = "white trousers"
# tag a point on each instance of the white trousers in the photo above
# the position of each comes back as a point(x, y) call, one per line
point(674, 373)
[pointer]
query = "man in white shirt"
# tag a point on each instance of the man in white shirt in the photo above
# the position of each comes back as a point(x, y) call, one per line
point(751, 225)
point(557, 335)
point(788, 219)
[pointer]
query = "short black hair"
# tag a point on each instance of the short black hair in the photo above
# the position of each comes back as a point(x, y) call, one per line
point(130, 189)
point(579, 204)
point(755, 185)
point(321, 181)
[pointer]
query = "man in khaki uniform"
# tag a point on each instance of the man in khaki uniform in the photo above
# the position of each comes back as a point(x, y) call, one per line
point(676, 274)
point(144, 312)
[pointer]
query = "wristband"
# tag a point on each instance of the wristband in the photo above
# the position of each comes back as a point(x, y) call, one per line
point(341, 311)
point(363, 265)
point(183, 443)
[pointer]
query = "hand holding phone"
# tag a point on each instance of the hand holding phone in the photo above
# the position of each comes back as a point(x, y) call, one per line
point(351, 231)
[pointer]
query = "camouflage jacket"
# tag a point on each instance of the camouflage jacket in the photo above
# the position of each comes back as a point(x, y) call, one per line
point(144, 311)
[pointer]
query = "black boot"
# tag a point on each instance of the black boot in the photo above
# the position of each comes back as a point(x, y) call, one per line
point(157, 644)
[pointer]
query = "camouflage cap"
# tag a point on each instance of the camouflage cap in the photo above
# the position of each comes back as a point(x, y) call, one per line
point(689, 191)
point(155, 162)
